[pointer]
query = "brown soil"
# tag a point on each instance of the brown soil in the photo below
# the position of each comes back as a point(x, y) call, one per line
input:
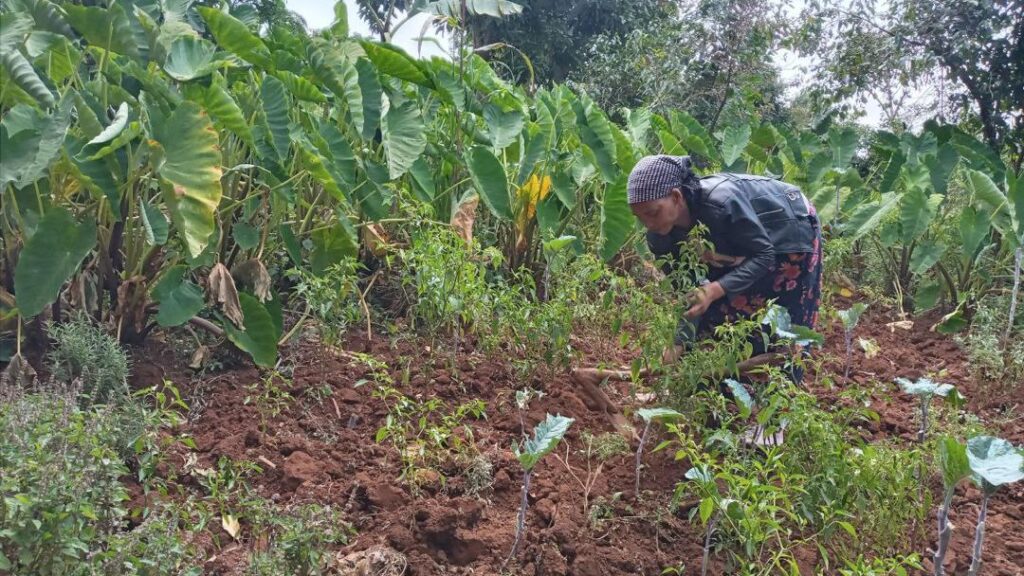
point(325, 452)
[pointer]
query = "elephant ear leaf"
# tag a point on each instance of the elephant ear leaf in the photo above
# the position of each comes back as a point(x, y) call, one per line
point(50, 257)
point(259, 339)
point(187, 157)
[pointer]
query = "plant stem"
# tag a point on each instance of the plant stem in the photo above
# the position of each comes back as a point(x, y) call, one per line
point(707, 545)
point(1019, 256)
point(979, 537)
point(521, 519)
point(639, 453)
point(944, 533)
point(849, 352)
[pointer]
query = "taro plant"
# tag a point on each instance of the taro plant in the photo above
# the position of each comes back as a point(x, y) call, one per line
point(994, 462)
point(925, 389)
point(650, 416)
point(955, 468)
point(546, 436)
point(850, 318)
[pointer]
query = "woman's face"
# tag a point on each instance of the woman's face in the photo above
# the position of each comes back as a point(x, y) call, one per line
point(661, 215)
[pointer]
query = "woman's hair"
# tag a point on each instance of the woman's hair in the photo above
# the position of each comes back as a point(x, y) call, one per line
point(654, 177)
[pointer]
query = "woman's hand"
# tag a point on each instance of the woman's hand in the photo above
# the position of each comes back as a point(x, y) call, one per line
point(701, 299)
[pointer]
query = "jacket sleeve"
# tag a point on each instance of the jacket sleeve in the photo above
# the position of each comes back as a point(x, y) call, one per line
point(737, 220)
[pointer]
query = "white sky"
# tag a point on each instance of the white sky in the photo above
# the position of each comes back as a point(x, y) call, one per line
point(320, 13)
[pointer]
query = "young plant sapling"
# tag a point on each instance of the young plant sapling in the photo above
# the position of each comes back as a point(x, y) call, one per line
point(711, 500)
point(650, 415)
point(925, 389)
point(994, 462)
point(850, 318)
point(546, 437)
point(955, 468)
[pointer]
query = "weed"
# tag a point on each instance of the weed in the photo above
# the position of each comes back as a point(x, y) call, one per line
point(296, 540)
point(83, 351)
point(333, 297)
point(270, 397)
point(426, 433)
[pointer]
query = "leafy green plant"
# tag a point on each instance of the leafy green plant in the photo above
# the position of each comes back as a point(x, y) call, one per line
point(994, 462)
point(270, 397)
point(426, 433)
point(925, 389)
point(84, 351)
point(61, 487)
point(546, 436)
point(650, 416)
point(297, 539)
point(850, 318)
point(955, 467)
point(332, 297)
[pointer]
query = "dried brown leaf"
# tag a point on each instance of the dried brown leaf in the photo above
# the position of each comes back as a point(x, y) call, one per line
point(253, 274)
point(223, 292)
point(464, 217)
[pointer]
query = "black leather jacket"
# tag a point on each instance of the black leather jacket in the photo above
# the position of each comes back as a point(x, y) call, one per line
point(755, 217)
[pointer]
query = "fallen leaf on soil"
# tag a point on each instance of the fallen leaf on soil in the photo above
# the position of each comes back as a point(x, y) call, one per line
point(869, 346)
point(19, 374)
point(902, 325)
point(199, 357)
point(375, 561)
point(230, 525)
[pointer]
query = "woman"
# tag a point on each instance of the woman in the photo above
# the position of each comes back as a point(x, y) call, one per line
point(766, 238)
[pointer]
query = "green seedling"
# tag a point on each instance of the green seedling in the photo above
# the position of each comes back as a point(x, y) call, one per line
point(955, 468)
point(994, 462)
point(546, 437)
point(649, 416)
point(925, 389)
point(712, 499)
point(850, 318)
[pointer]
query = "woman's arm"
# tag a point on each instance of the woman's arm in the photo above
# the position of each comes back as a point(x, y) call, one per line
point(737, 222)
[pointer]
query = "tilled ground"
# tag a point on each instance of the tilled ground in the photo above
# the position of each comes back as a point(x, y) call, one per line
point(321, 448)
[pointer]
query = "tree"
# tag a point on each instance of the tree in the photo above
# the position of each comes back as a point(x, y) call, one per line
point(977, 46)
point(711, 59)
point(556, 34)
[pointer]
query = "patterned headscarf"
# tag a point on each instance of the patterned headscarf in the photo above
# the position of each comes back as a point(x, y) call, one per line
point(654, 177)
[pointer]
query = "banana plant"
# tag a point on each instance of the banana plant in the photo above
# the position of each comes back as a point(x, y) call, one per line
point(994, 462)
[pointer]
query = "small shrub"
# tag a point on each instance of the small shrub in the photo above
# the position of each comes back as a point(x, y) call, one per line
point(60, 487)
point(298, 540)
point(83, 351)
point(333, 297)
point(156, 547)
